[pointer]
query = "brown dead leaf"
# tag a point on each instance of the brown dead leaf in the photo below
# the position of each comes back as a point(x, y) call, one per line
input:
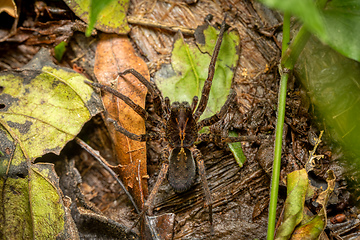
point(115, 54)
point(51, 32)
point(9, 7)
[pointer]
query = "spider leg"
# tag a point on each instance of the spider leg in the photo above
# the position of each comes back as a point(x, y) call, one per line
point(141, 138)
point(216, 117)
point(149, 204)
point(202, 173)
point(167, 108)
point(208, 82)
point(194, 103)
point(137, 108)
point(155, 92)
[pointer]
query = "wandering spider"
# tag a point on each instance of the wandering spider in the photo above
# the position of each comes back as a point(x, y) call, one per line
point(179, 125)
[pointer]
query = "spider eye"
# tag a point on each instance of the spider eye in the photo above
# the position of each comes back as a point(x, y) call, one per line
point(185, 105)
point(175, 106)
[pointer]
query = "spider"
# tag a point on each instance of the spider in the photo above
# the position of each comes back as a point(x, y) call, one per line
point(179, 124)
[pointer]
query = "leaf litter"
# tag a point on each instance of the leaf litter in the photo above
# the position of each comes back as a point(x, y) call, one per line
point(252, 66)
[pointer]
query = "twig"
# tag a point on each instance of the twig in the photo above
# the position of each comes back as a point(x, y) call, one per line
point(103, 163)
point(151, 23)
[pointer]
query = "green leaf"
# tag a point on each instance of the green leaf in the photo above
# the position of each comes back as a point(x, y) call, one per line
point(305, 10)
point(31, 206)
point(332, 82)
point(236, 149)
point(185, 77)
point(96, 6)
point(342, 18)
point(337, 24)
point(60, 50)
point(297, 185)
point(312, 227)
point(42, 108)
point(110, 14)
point(45, 106)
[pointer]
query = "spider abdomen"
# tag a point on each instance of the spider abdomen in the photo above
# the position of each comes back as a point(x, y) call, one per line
point(182, 169)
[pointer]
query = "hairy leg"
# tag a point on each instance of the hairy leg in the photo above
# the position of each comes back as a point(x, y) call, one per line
point(208, 82)
point(154, 91)
point(202, 173)
point(194, 103)
point(216, 117)
point(149, 204)
point(167, 109)
point(141, 138)
point(138, 109)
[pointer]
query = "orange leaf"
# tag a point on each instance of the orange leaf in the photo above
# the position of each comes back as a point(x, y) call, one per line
point(115, 54)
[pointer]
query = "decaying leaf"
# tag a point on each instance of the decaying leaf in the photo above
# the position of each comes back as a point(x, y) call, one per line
point(9, 7)
point(311, 229)
point(297, 224)
point(31, 204)
point(42, 107)
point(52, 32)
point(113, 55)
point(112, 19)
point(45, 106)
point(313, 158)
point(297, 185)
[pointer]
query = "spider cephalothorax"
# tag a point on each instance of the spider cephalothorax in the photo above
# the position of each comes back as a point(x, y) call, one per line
point(181, 129)
point(179, 125)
